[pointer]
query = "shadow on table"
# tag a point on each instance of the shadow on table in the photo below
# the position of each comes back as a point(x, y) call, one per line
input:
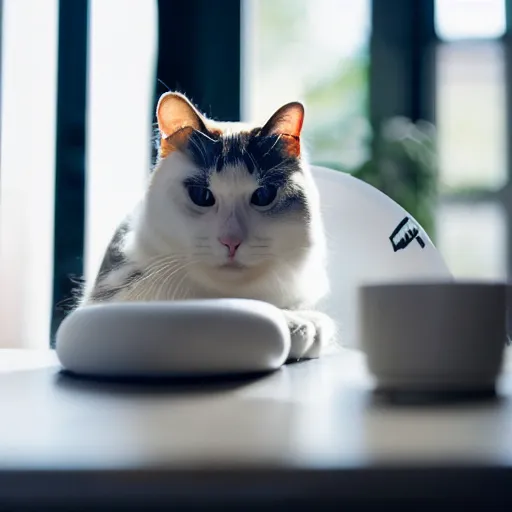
point(157, 385)
point(435, 399)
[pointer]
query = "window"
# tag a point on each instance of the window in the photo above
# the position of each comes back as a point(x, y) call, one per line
point(119, 97)
point(458, 20)
point(472, 129)
point(29, 79)
point(316, 52)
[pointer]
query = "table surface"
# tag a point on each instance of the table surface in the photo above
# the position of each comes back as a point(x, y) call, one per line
point(313, 418)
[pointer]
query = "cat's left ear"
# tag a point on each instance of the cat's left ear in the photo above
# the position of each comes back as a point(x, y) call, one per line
point(287, 122)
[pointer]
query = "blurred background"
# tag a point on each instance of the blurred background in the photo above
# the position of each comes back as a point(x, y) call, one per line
point(409, 95)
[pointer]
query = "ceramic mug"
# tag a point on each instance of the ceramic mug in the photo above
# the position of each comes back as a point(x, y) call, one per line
point(434, 336)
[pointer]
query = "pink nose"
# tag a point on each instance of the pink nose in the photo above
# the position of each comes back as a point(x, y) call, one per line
point(232, 245)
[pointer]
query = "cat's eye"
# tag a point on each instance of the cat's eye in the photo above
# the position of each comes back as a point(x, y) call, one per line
point(201, 196)
point(264, 196)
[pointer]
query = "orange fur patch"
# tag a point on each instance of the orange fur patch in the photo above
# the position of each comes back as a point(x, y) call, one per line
point(291, 145)
point(180, 139)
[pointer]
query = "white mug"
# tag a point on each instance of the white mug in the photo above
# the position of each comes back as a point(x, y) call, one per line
point(444, 336)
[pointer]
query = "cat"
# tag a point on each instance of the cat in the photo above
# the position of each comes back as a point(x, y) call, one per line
point(231, 210)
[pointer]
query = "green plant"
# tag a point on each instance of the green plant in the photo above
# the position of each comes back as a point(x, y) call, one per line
point(404, 166)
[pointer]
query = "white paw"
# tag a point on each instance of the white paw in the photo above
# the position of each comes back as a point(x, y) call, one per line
point(310, 332)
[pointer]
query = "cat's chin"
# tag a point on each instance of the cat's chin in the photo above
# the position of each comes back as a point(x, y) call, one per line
point(233, 272)
point(233, 266)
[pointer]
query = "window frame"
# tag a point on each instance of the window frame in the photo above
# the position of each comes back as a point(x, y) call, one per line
point(70, 152)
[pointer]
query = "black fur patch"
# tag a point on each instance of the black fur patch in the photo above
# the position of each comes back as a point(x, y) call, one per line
point(265, 155)
point(107, 293)
point(292, 201)
point(204, 150)
point(100, 294)
point(114, 256)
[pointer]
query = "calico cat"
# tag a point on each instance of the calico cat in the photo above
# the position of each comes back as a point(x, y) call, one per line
point(230, 211)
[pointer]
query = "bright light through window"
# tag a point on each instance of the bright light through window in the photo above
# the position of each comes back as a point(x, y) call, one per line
point(29, 81)
point(470, 19)
point(119, 101)
point(121, 83)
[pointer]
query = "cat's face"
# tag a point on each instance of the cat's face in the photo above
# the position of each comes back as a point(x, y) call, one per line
point(237, 201)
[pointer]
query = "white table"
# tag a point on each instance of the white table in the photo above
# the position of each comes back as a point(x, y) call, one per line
point(310, 433)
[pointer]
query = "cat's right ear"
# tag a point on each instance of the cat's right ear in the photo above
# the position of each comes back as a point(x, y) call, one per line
point(177, 119)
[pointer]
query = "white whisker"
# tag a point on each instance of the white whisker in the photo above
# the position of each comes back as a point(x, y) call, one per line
point(157, 268)
point(151, 271)
point(273, 145)
point(178, 285)
point(200, 147)
point(248, 153)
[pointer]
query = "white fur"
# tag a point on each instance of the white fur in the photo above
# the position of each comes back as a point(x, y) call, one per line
point(177, 248)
